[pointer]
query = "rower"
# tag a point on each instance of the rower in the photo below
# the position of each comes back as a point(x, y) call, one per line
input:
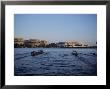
point(75, 53)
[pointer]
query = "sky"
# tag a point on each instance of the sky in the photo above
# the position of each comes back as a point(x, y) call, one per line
point(57, 27)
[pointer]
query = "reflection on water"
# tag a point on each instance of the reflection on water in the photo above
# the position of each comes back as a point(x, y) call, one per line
point(55, 62)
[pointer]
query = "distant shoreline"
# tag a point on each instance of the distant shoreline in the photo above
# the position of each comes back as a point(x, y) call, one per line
point(56, 47)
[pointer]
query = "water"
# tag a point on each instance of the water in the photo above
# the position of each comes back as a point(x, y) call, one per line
point(55, 62)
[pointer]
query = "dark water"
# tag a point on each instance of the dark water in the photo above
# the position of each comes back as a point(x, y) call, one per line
point(55, 62)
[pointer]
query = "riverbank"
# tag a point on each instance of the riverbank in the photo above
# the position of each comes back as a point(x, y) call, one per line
point(58, 47)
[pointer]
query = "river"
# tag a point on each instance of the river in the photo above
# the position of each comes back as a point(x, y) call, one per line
point(55, 62)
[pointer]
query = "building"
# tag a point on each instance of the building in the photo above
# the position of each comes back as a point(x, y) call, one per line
point(85, 45)
point(35, 43)
point(32, 43)
point(53, 45)
point(70, 43)
point(18, 42)
point(78, 45)
point(74, 44)
point(61, 44)
point(43, 43)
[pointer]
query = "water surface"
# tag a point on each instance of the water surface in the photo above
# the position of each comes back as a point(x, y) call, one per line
point(55, 62)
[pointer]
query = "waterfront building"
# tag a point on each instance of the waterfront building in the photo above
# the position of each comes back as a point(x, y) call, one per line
point(74, 44)
point(18, 42)
point(43, 43)
point(53, 45)
point(35, 43)
point(32, 43)
point(71, 43)
point(61, 44)
point(85, 45)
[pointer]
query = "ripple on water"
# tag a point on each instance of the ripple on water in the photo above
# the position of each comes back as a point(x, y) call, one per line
point(56, 63)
